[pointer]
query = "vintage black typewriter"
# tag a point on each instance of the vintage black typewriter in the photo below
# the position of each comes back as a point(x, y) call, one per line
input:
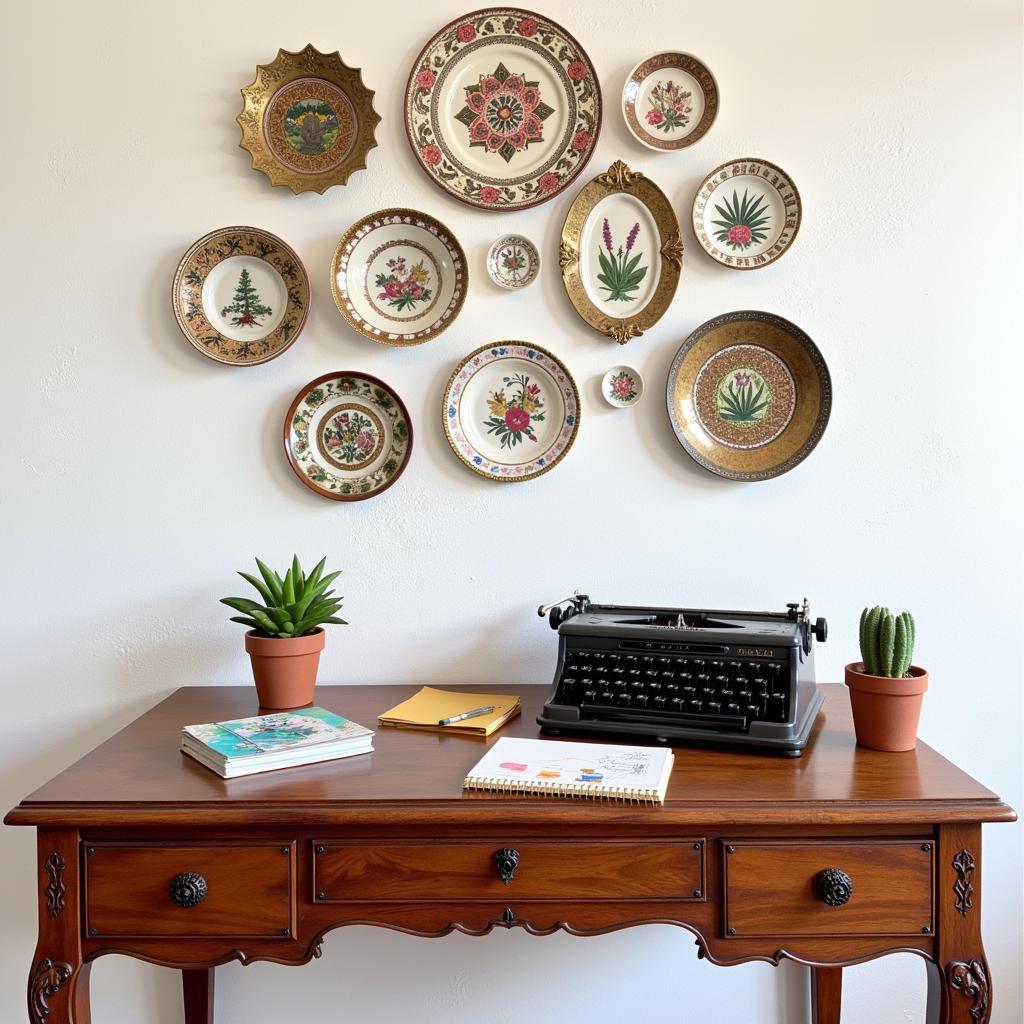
point(685, 674)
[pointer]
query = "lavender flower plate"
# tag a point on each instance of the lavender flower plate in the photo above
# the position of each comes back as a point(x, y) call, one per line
point(622, 386)
point(513, 262)
point(670, 101)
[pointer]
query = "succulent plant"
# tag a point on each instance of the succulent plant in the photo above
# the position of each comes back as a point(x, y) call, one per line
point(887, 642)
point(294, 605)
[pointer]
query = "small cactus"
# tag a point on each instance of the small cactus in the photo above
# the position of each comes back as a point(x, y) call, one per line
point(887, 642)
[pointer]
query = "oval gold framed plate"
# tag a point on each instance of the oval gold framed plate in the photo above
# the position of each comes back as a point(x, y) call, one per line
point(240, 295)
point(746, 213)
point(621, 253)
point(399, 277)
point(511, 411)
point(307, 120)
point(348, 436)
point(749, 395)
point(502, 109)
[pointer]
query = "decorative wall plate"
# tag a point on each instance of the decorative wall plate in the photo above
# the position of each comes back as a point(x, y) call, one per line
point(348, 436)
point(511, 411)
point(240, 295)
point(503, 109)
point(670, 101)
point(621, 253)
point(622, 386)
point(746, 213)
point(749, 395)
point(399, 277)
point(513, 262)
point(307, 120)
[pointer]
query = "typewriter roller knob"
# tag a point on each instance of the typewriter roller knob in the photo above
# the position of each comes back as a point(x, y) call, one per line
point(820, 630)
point(835, 887)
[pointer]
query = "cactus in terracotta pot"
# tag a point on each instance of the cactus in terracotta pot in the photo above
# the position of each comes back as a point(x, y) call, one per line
point(887, 642)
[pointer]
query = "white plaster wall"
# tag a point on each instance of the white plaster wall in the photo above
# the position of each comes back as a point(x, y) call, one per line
point(138, 475)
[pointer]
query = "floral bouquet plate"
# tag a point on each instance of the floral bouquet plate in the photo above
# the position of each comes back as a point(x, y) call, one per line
point(749, 395)
point(746, 213)
point(513, 262)
point(670, 101)
point(348, 436)
point(399, 277)
point(622, 386)
point(502, 109)
point(511, 411)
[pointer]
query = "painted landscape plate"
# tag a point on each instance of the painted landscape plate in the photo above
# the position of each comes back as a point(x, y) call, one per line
point(240, 295)
point(746, 214)
point(749, 395)
point(348, 436)
point(503, 109)
point(511, 411)
point(307, 120)
point(399, 277)
point(513, 262)
point(670, 101)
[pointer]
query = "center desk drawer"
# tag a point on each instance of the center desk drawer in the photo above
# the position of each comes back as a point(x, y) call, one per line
point(538, 870)
point(170, 889)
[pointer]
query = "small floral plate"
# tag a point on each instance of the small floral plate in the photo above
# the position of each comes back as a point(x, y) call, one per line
point(348, 436)
point(511, 411)
point(513, 262)
point(622, 386)
point(670, 101)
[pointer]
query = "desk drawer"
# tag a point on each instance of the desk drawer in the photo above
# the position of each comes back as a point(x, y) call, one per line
point(539, 870)
point(235, 890)
point(782, 888)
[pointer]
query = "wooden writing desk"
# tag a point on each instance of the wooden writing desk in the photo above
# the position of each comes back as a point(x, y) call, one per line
point(743, 854)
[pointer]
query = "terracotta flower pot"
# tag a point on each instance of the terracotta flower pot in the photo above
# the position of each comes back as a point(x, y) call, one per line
point(285, 668)
point(886, 711)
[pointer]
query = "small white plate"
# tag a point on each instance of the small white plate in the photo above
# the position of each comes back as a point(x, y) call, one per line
point(622, 386)
point(513, 262)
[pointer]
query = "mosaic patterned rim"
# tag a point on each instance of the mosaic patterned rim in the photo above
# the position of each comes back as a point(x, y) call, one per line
point(332, 131)
point(388, 442)
point(508, 29)
point(749, 395)
point(660, 62)
point(190, 277)
point(736, 228)
point(505, 275)
point(468, 453)
point(340, 283)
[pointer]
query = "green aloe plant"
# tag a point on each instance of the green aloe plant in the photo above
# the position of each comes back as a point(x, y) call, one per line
point(294, 605)
point(887, 642)
point(744, 221)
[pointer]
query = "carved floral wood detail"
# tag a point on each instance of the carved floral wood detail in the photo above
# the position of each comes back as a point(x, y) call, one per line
point(963, 887)
point(971, 979)
point(56, 890)
point(49, 978)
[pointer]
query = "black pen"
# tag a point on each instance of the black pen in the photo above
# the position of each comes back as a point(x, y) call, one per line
point(475, 713)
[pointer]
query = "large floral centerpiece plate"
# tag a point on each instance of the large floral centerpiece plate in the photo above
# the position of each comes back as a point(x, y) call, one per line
point(749, 395)
point(307, 120)
point(348, 436)
point(511, 411)
point(746, 213)
point(670, 101)
point(503, 109)
point(399, 277)
point(240, 295)
point(621, 253)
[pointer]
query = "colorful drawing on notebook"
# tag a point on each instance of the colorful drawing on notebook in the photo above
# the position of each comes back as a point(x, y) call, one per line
point(548, 775)
point(513, 766)
point(589, 776)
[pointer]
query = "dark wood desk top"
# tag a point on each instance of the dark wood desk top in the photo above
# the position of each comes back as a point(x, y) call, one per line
point(139, 776)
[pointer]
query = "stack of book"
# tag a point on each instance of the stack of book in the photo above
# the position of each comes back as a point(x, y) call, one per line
point(267, 742)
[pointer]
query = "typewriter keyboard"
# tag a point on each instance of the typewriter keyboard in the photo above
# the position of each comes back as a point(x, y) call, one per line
point(715, 693)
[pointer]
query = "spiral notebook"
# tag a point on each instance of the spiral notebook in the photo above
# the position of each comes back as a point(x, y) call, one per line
point(558, 768)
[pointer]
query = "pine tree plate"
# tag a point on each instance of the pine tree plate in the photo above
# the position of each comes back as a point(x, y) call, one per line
point(348, 436)
point(749, 395)
point(399, 277)
point(511, 411)
point(240, 295)
point(513, 262)
point(307, 120)
point(670, 101)
point(746, 213)
point(502, 109)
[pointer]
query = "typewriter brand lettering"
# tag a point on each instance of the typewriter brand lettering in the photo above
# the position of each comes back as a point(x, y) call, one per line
point(754, 652)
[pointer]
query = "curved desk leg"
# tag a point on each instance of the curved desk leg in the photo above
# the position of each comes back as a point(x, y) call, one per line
point(58, 981)
point(826, 994)
point(197, 989)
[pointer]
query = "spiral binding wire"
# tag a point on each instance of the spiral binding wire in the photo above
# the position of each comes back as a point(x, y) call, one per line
point(582, 790)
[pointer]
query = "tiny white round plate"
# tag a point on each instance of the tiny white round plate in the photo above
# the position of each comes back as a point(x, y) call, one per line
point(622, 386)
point(670, 101)
point(513, 262)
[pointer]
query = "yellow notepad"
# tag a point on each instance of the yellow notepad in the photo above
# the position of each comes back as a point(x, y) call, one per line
point(425, 709)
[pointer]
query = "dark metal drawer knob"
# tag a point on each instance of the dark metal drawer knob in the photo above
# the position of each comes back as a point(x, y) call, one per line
point(507, 861)
point(188, 889)
point(835, 887)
